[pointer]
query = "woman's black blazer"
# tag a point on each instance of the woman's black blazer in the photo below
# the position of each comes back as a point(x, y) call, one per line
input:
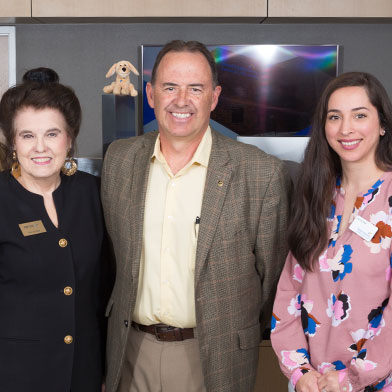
point(50, 331)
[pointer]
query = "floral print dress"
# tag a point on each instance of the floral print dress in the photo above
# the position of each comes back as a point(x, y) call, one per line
point(339, 317)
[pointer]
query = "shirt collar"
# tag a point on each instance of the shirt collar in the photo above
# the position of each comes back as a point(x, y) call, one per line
point(201, 155)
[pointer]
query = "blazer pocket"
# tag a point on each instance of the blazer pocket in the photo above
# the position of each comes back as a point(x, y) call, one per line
point(17, 339)
point(109, 307)
point(249, 337)
point(228, 232)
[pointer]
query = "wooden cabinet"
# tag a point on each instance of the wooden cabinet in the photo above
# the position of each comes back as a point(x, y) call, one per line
point(15, 8)
point(330, 8)
point(149, 8)
point(202, 9)
point(269, 376)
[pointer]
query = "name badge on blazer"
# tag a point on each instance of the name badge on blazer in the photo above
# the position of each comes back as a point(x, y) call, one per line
point(32, 228)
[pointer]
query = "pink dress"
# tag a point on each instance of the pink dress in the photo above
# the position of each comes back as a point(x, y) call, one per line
point(338, 316)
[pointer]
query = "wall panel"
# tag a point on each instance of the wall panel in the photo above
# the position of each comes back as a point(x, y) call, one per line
point(83, 53)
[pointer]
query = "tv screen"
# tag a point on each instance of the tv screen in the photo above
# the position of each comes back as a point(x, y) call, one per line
point(267, 90)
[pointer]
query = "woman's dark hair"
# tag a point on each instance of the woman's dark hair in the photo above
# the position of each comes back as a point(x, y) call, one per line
point(2, 156)
point(38, 95)
point(308, 229)
point(41, 75)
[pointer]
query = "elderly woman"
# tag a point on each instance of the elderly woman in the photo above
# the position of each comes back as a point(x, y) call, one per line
point(332, 318)
point(51, 234)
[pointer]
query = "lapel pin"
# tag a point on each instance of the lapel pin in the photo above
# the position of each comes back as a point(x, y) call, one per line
point(220, 183)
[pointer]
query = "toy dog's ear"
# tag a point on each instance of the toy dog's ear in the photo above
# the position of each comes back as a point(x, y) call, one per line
point(132, 68)
point(111, 71)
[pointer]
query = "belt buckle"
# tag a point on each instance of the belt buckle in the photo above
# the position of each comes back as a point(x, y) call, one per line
point(157, 334)
point(165, 329)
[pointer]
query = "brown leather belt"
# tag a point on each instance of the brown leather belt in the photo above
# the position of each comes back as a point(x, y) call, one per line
point(165, 333)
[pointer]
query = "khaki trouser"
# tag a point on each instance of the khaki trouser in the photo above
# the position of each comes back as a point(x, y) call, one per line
point(154, 366)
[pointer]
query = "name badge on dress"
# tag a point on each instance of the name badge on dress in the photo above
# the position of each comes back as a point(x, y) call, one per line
point(363, 228)
point(32, 228)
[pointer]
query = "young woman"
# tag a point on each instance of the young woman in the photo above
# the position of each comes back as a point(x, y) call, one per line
point(332, 318)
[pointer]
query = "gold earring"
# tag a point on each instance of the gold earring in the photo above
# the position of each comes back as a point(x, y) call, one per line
point(70, 166)
point(15, 168)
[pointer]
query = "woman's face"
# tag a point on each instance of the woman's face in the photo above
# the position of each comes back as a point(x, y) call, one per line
point(41, 143)
point(352, 127)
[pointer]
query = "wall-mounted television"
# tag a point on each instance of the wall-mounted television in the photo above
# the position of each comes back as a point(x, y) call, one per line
point(267, 90)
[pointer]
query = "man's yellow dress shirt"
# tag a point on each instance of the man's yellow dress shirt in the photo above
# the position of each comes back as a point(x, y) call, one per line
point(167, 265)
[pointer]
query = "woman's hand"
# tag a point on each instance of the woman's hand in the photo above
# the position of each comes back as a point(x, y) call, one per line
point(329, 382)
point(308, 382)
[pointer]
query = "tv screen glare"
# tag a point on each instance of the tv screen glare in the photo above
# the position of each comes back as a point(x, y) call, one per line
point(267, 90)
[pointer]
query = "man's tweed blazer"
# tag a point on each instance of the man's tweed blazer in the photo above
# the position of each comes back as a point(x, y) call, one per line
point(240, 252)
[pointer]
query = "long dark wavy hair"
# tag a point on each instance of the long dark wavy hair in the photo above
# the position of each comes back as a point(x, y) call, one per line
point(308, 229)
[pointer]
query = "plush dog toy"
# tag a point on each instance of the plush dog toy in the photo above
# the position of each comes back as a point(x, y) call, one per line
point(122, 85)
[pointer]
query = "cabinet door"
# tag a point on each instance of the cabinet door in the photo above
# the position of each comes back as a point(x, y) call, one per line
point(330, 8)
point(15, 8)
point(269, 376)
point(148, 8)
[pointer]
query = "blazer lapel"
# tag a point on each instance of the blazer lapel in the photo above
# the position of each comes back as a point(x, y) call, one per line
point(217, 184)
point(137, 200)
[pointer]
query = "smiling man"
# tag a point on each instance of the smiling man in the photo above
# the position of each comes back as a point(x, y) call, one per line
point(198, 225)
